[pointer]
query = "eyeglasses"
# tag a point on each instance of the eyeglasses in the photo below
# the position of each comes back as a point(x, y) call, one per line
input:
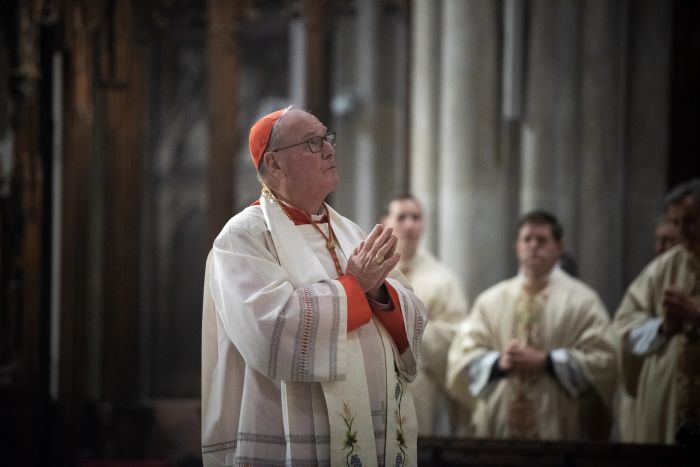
point(315, 143)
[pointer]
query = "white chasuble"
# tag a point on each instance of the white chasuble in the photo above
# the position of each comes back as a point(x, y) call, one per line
point(446, 305)
point(283, 382)
point(660, 374)
point(568, 321)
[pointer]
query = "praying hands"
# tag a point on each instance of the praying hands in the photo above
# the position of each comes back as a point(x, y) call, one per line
point(372, 260)
point(521, 357)
point(679, 307)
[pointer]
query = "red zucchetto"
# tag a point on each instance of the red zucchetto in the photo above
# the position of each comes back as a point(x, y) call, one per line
point(260, 135)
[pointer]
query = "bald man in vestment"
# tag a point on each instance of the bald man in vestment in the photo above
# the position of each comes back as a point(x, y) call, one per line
point(310, 334)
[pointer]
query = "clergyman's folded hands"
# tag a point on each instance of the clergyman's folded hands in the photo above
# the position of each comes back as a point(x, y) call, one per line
point(373, 259)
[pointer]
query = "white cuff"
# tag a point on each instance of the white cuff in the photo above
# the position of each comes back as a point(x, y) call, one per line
point(479, 370)
point(568, 372)
point(645, 339)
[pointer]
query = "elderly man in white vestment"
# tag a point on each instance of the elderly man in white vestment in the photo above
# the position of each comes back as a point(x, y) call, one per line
point(658, 323)
point(310, 335)
point(535, 356)
point(446, 306)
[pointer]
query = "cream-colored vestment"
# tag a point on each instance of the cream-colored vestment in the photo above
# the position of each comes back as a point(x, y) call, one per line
point(567, 320)
point(283, 382)
point(446, 306)
point(656, 371)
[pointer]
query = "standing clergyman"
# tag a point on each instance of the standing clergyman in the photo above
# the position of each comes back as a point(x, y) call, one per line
point(446, 306)
point(309, 333)
point(536, 354)
point(658, 323)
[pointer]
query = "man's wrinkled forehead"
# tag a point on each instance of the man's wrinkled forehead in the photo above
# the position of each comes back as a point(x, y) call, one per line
point(300, 123)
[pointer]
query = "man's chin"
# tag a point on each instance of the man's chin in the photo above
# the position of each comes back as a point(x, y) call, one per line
point(536, 269)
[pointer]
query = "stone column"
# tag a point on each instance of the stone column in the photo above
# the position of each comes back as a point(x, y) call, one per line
point(366, 108)
point(549, 132)
point(647, 129)
point(424, 114)
point(317, 50)
point(366, 150)
point(345, 109)
point(601, 131)
point(398, 82)
point(297, 62)
point(473, 214)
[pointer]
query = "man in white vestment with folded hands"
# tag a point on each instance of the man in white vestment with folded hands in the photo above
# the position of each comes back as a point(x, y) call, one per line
point(535, 359)
point(310, 335)
point(658, 327)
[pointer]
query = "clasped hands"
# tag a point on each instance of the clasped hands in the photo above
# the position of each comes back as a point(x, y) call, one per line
point(372, 260)
point(679, 308)
point(518, 356)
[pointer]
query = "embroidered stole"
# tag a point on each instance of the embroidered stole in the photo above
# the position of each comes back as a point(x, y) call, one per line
point(522, 409)
point(349, 415)
point(689, 370)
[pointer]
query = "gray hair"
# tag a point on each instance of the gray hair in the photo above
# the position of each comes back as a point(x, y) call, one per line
point(271, 142)
point(680, 191)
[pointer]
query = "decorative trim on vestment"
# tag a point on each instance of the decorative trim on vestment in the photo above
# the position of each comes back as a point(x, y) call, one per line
point(350, 441)
point(349, 400)
point(401, 427)
point(275, 345)
point(215, 447)
point(688, 407)
point(304, 351)
point(522, 408)
point(401, 456)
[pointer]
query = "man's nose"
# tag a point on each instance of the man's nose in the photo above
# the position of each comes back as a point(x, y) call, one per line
point(328, 150)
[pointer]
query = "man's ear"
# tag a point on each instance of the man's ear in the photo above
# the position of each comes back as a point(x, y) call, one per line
point(271, 163)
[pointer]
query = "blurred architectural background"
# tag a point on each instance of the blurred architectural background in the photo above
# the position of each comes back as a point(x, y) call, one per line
point(123, 151)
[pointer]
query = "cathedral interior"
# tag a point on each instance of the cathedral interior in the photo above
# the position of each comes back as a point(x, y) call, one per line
point(123, 151)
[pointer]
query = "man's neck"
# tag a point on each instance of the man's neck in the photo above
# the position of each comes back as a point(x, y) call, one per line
point(305, 205)
point(534, 283)
point(407, 253)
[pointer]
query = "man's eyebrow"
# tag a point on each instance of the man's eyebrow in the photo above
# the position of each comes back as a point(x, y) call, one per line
point(310, 133)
